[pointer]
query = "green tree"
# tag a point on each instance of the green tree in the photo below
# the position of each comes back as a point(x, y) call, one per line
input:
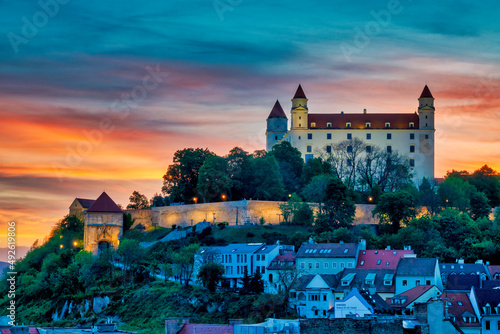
point(339, 207)
point(479, 205)
point(427, 196)
point(315, 167)
point(487, 180)
point(268, 181)
point(256, 285)
point(184, 262)
point(128, 221)
point(395, 208)
point(210, 275)
point(455, 193)
point(131, 254)
point(181, 178)
point(290, 164)
point(138, 201)
point(241, 169)
point(314, 191)
point(214, 180)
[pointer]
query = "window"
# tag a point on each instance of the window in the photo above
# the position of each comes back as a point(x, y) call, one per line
point(262, 257)
point(310, 265)
point(270, 278)
point(313, 125)
point(328, 136)
point(389, 136)
point(263, 269)
point(300, 125)
point(334, 265)
point(412, 125)
point(368, 149)
point(349, 136)
point(302, 265)
point(246, 257)
point(349, 149)
point(315, 312)
point(368, 125)
point(328, 149)
point(342, 264)
point(300, 117)
point(349, 265)
point(412, 136)
point(389, 149)
point(349, 162)
point(487, 324)
point(324, 313)
point(417, 282)
point(498, 324)
point(348, 125)
point(428, 282)
point(412, 148)
point(328, 125)
point(317, 265)
point(299, 137)
point(275, 137)
point(379, 262)
point(362, 262)
point(258, 257)
point(368, 136)
point(238, 270)
point(412, 162)
point(309, 148)
point(405, 282)
point(387, 124)
point(326, 265)
point(309, 136)
point(426, 136)
point(238, 258)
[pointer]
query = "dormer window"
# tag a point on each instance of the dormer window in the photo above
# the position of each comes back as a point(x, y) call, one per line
point(387, 125)
point(412, 125)
point(348, 124)
point(313, 125)
point(328, 125)
point(368, 125)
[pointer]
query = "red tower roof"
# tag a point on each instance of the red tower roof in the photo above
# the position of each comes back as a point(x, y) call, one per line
point(426, 92)
point(277, 111)
point(299, 94)
point(104, 203)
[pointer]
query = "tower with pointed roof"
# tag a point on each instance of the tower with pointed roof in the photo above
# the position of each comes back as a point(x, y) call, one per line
point(426, 109)
point(299, 110)
point(103, 225)
point(277, 126)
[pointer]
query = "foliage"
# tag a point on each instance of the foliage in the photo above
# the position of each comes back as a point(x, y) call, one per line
point(267, 180)
point(210, 275)
point(314, 191)
point(296, 212)
point(339, 207)
point(128, 221)
point(138, 201)
point(241, 170)
point(214, 180)
point(184, 262)
point(315, 167)
point(396, 208)
point(290, 164)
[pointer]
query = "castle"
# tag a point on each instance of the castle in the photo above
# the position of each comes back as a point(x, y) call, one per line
point(410, 134)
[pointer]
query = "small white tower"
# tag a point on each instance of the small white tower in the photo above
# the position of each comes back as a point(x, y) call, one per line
point(426, 110)
point(277, 126)
point(299, 110)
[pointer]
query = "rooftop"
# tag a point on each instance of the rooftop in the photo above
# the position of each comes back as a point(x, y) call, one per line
point(410, 296)
point(328, 250)
point(104, 203)
point(416, 267)
point(359, 121)
point(380, 259)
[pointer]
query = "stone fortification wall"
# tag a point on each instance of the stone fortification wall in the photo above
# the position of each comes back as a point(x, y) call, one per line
point(234, 213)
point(352, 326)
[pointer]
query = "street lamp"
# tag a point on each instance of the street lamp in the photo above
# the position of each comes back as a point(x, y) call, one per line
point(75, 243)
point(195, 199)
point(370, 199)
point(61, 246)
point(223, 197)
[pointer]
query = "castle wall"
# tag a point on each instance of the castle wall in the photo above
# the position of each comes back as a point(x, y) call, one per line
point(234, 213)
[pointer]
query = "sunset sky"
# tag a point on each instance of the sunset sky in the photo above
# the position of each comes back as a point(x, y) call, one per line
point(218, 67)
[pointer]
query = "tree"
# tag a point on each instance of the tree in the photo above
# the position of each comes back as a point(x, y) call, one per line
point(427, 196)
point(138, 201)
point(181, 178)
point(157, 200)
point(128, 221)
point(256, 284)
point(339, 207)
point(479, 205)
point(487, 180)
point(344, 158)
point(210, 275)
point(241, 170)
point(131, 253)
point(214, 180)
point(184, 262)
point(395, 208)
point(315, 167)
point(268, 181)
point(314, 191)
point(290, 164)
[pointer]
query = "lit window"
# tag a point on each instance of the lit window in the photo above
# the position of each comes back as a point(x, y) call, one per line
point(313, 125)
point(412, 125)
point(387, 125)
point(309, 148)
point(389, 136)
point(368, 136)
point(328, 125)
point(368, 125)
point(348, 125)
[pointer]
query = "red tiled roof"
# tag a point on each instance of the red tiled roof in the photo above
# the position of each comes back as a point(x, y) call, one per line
point(299, 94)
point(369, 259)
point(33, 331)
point(5, 331)
point(281, 261)
point(412, 295)
point(452, 301)
point(277, 111)
point(206, 329)
point(104, 203)
point(426, 92)
point(358, 121)
point(494, 269)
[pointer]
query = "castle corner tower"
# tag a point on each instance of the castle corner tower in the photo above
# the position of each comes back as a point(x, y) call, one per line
point(299, 110)
point(277, 126)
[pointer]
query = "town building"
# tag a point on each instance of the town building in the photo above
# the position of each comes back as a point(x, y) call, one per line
point(412, 272)
point(486, 303)
point(314, 135)
point(459, 309)
point(313, 295)
point(361, 303)
point(376, 281)
point(79, 205)
point(281, 271)
point(381, 259)
point(403, 303)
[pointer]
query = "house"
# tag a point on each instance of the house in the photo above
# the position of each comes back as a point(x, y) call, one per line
point(360, 303)
point(403, 303)
point(238, 259)
point(315, 135)
point(328, 258)
point(463, 283)
point(313, 295)
point(486, 303)
point(458, 308)
point(380, 281)
point(494, 272)
point(412, 272)
point(450, 270)
point(281, 270)
point(79, 205)
point(381, 259)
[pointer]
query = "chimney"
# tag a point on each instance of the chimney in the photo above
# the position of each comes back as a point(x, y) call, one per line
point(364, 111)
point(407, 247)
point(479, 261)
point(388, 248)
point(460, 261)
point(410, 256)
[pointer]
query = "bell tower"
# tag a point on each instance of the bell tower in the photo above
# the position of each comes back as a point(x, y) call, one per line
point(299, 110)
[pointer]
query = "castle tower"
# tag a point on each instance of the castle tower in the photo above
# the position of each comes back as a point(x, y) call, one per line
point(426, 110)
point(103, 225)
point(299, 110)
point(277, 126)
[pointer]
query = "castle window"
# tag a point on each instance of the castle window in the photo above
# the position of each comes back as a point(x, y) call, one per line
point(349, 162)
point(300, 117)
point(309, 136)
point(328, 136)
point(387, 125)
point(328, 149)
point(368, 125)
point(368, 136)
point(276, 137)
point(313, 125)
point(412, 148)
point(389, 136)
point(348, 125)
point(349, 149)
point(412, 136)
point(425, 116)
point(389, 149)
point(426, 136)
point(368, 149)
point(328, 125)
point(412, 125)
point(349, 136)
point(309, 148)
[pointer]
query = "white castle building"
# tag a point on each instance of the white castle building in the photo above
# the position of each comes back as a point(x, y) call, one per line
point(410, 134)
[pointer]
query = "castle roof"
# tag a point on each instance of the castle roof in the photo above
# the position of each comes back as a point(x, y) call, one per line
point(299, 94)
point(104, 203)
point(426, 93)
point(277, 111)
point(358, 121)
point(85, 203)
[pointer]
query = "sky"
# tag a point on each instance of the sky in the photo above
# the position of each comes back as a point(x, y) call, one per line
point(98, 95)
